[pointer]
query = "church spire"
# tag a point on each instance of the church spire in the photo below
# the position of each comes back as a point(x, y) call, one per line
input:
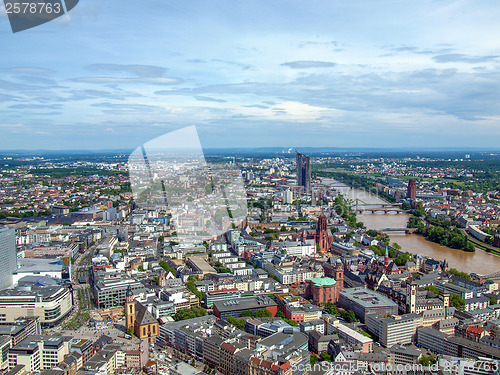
point(386, 258)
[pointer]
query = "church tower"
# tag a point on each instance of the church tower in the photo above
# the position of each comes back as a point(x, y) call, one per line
point(129, 309)
point(322, 234)
point(411, 298)
point(386, 259)
point(339, 274)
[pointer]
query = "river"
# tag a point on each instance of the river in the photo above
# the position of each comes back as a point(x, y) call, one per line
point(479, 262)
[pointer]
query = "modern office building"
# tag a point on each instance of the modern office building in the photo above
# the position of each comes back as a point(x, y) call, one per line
point(303, 171)
point(431, 339)
point(110, 290)
point(366, 301)
point(8, 256)
point(39, 352)
point(392, 330)
point(21, 328)
point(235, 307)
point(49, 303)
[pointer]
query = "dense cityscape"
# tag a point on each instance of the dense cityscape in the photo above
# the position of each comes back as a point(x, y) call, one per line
point(322, 268)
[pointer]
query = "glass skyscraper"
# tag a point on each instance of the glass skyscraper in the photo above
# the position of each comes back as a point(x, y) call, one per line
point(303, 171)
point(8, 256)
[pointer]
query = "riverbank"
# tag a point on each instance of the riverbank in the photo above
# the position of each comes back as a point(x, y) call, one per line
point(481, 246)
point(479, 262)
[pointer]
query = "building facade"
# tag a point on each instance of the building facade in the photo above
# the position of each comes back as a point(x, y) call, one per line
point(8, 256)
point(303, 171)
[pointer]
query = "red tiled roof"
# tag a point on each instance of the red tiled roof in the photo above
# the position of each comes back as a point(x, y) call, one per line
point(474, 330)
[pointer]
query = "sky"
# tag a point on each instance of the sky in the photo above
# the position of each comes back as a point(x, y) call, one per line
point(378, 73)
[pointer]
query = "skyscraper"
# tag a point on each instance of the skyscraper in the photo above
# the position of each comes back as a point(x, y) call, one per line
point(411, 193)
point(8, 256)
point(303, 171)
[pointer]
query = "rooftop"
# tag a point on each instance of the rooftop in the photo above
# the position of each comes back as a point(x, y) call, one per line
point(323, 281)
point(367, 297)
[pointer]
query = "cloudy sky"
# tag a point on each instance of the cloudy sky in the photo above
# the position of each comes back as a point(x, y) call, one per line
point(377, 73)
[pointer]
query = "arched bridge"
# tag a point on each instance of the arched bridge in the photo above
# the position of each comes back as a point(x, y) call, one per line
point(378, 208)
point(494, 276)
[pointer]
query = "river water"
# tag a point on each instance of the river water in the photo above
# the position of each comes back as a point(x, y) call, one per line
point(480, 262)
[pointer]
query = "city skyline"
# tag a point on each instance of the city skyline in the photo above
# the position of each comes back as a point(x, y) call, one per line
point(372, 75)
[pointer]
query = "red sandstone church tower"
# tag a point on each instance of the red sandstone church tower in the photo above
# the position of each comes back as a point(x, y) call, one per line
point(411, 192)
point(386, 260)
point(322, 234)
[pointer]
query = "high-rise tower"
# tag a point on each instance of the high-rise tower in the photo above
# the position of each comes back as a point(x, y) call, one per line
point(8, 256)
point(303, 171)
point(411, 192)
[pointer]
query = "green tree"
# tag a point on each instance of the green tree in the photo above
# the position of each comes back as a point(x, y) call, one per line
point(292, 322)
point(461, 274)
point(263, 313)
point(348, 316)
point(493, 301)
point(326, 357)
point(331, 309)
point(168, 268)
point(427, 360)
point(432, 288)
point(238, 323)
point(247, 313)
point(313, 359)
point(457, 301)
point(192, 287)
point(402, 259)
point(190, 313)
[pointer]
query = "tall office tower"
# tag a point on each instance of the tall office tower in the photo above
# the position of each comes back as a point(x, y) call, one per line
point(303, 171)
point(8, 256)
point(412, 189)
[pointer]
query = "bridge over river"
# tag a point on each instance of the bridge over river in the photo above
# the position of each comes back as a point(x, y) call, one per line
point(378, 208)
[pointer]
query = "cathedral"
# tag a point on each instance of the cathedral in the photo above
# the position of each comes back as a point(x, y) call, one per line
point(322, 235)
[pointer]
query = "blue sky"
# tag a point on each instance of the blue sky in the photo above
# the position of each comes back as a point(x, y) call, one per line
point(115, 74)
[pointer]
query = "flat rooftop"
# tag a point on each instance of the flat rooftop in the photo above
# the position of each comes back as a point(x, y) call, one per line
point(367, 297)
